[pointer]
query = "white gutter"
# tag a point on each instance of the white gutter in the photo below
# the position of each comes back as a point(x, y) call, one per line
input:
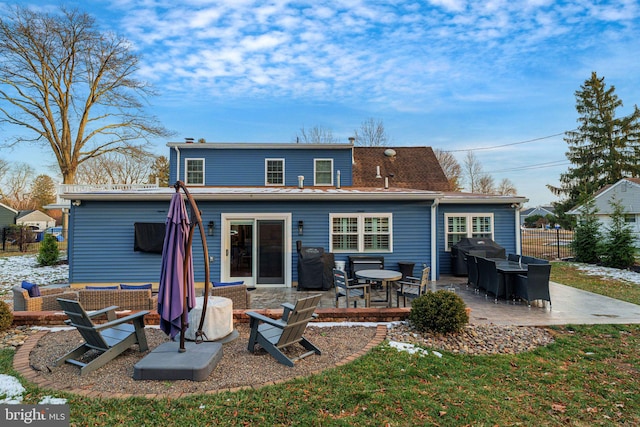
point(177, 163)
point(257, 196)
point(434, 238)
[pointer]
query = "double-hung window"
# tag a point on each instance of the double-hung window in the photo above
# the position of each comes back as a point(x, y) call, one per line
point(459, 226)
point(323, 172)
point(361, 232)
point(194, 171)
point(274, 171)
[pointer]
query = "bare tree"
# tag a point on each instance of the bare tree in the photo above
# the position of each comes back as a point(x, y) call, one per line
point(473, 171)
point(71, 87)
point(17, 184)
point(316, 135)
point(117, 168)
point(451, 168)
point(506, 188)
point(371, 134)
point(485, 184)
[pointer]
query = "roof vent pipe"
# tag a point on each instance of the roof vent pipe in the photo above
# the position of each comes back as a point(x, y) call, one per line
point(338, 179)
point(300, 181)
point(386, 182)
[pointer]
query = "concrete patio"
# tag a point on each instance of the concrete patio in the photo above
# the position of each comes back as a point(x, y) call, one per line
point(569, 305)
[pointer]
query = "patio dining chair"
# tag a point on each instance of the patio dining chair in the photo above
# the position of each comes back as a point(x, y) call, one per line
point(349, 288)
point(412, 287)
point(490, 279)
point(535, 285)
point(472, 271)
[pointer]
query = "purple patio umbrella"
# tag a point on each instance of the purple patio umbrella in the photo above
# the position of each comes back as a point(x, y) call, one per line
point(176, 286)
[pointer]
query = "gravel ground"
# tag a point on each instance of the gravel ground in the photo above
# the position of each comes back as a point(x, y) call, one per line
point(239, 367)
point(477, 339)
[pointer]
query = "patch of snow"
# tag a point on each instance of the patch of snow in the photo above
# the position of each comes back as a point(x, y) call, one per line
point(11, 390)
point(409, 348)
point(49, 400)
point(608, 272)
point(15, 269)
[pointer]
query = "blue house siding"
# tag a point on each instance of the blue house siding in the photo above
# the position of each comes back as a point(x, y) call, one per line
point(503, 222)
point(241, 167)
point(102, 249)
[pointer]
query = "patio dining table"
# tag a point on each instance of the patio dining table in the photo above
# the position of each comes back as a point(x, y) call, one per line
point(383, 276)
point(509, 269)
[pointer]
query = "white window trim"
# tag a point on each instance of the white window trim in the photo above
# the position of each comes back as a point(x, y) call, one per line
point(266, 172)
point(186, 170)
point(315, 183)
point(361, 217)
point(469, 217)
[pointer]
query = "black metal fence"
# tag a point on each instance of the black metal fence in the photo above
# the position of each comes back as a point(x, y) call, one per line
point(23, 240)
point(547, 243)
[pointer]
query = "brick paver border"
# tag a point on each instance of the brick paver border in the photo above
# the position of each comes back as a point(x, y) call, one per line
point(21, 364)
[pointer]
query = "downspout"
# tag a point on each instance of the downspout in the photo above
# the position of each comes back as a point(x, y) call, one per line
point(177, 164)
point(518, 231)
point(434, 240)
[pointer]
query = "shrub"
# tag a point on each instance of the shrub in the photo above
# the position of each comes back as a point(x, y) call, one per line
point(6, 316)
point(49, 252)
point(618, 246)
point(441, 311)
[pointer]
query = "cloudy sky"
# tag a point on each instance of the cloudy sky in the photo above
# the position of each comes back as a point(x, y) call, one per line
point(497, 77)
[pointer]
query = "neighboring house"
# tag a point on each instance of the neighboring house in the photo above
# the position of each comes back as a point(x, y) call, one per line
point(257, 200)
point(538, 210)
point(35, 219)
point(627, 192)
point(7, 216)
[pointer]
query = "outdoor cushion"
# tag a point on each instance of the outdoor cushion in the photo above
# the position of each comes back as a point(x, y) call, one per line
point(32, 288)
point(131, 287)
point(101, 288)
point(217, 284)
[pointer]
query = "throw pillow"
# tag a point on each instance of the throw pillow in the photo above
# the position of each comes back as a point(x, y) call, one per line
point(101, 288)
point(218, 284)
point(32, 288)
point(132, 287)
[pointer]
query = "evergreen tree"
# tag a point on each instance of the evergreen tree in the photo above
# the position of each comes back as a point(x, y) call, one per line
point(43, 191)
point(618, 247)
point(49, 252)
point(603, 149)
point(587, 237)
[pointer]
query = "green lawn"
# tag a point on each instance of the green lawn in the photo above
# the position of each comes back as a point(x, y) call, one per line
point(588, 377)
point(567, 274)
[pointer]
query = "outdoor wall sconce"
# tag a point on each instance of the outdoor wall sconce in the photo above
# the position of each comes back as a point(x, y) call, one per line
point(76, 203)
point(210, 229)
point(300, 228)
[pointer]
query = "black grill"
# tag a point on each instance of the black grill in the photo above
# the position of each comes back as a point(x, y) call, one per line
point(485, 248)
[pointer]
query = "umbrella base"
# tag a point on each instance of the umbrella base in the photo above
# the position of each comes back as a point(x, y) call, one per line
point(165, 362)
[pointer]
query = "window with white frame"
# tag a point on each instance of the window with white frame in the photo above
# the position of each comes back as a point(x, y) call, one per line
point(630, 218)
point(459, 226)
point(274, 171)
point(194, 171)
point(323, 171)
point(361, 232)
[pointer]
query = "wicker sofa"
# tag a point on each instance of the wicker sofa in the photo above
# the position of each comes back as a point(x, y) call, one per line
point(130, 299)
point(47, 301)
point(237, 293)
